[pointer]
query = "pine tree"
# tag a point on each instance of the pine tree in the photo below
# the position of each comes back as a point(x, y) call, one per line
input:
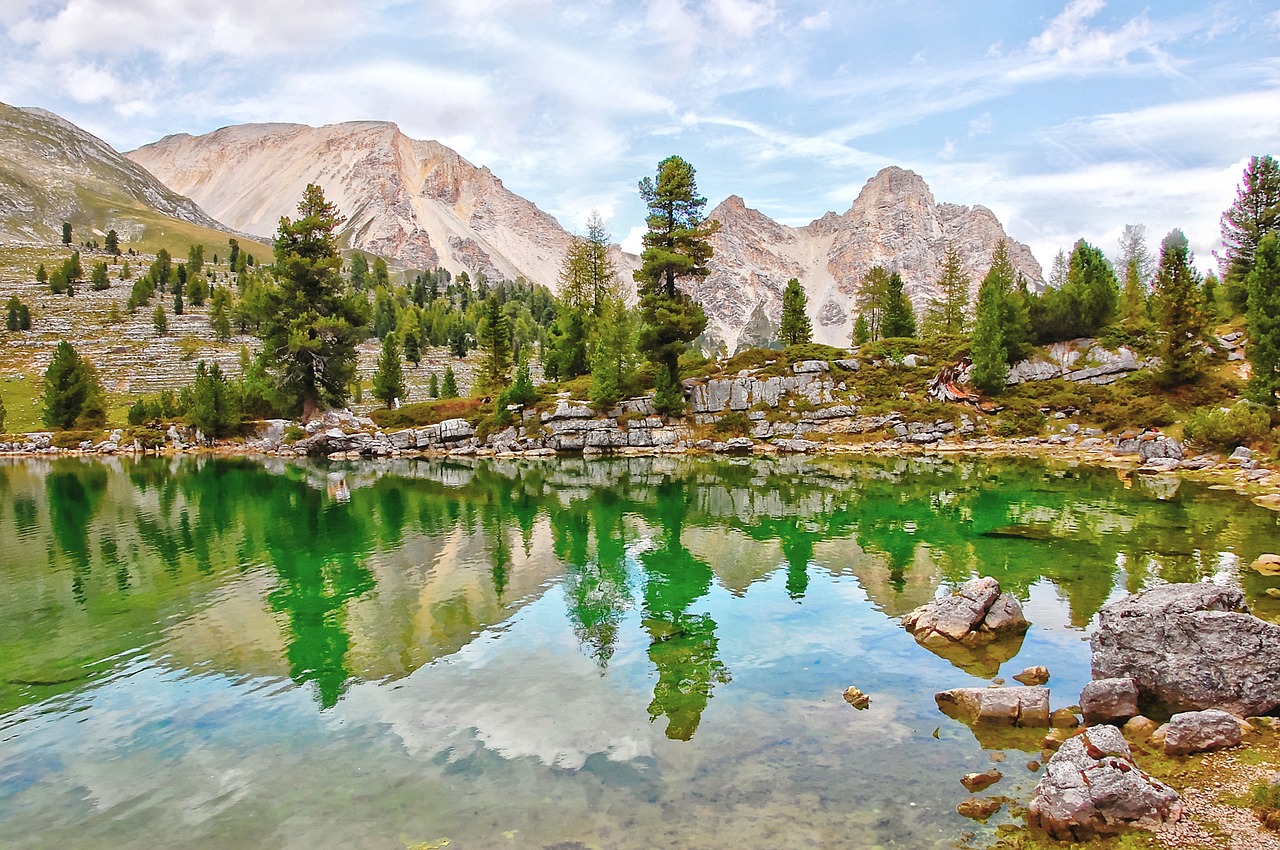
point(1263, 317)
point(861, 330)
point(1181, 319)
point(795, 328)
point(11, 321)
point(159, 321)
point(24, 317)
point(676, 248)
point(521, 391)
point(494, 336)
point(948, 315)
point(388, 381)
point(66, 233)
point(1002, 328)
point(98, 278)
point(72, 392)
point(449, 385)
point(412, 350)
point(1254, 213)
point(990, 364)
point(899, 319)
point(111, 244)
point(177, 302)
point(214, 406)
point(433, 386)
point(42, 276)
point(311, 321)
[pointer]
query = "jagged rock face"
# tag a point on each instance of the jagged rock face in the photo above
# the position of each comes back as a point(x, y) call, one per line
point(416, 202)
point(895, 222)
point(52, 171)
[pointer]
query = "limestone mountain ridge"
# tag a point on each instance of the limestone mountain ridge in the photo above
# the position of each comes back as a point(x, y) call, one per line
point(52, 171)
point(894, 222)
point(418, 203)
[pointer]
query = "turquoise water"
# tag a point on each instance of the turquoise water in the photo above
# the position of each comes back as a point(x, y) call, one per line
point(558, 653)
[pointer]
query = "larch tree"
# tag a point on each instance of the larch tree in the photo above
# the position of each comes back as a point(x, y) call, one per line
point(948, 315)
point(872, 295)
point(613, 363)
point(795, 327)
point(676, 248)
point(1136, 270)
point(313, 320)
point(1002, 329)
point(449, 383)
point(1263, 319)
point(1254, 213)
point(1181, 319)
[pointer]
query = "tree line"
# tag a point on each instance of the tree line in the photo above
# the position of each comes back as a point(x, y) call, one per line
point(311, 313)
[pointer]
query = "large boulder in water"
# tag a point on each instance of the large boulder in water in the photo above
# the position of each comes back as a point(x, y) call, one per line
point(977, 612)
point(977, 628)
point(1191, 647)
point(1091, 786)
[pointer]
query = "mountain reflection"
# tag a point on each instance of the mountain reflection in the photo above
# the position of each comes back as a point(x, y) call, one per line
point(334, 573)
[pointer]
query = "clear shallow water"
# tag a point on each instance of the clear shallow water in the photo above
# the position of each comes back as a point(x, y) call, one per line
point(561, 653)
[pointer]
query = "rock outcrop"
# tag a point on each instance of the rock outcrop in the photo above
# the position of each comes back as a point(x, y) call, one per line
point(894, 222)
point(1092, 787)
point(1191, 647)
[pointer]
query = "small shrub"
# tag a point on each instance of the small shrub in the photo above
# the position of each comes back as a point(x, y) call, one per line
point(1264, 799)
point(293, 434)
point(1226, 428)
point(423, 413)
point(812, 351)
point(189, 346)
point(735, 423)
point(1020, 418)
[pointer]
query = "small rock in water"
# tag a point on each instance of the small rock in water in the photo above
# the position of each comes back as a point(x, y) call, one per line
point(856, 698)
point(1064, 718)
point(1268, 564)
point(1033, 676)
point(978, 808)
point(975, 782)
point(1033, 765)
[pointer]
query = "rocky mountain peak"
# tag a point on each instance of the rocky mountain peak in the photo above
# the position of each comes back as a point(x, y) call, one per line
point(417, 202)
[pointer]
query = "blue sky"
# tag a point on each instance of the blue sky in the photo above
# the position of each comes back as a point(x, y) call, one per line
point(1069, 119)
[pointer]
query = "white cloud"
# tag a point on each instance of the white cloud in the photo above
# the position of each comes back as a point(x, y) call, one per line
point(741, 18)
point(1072, 43)
point(980, 126)
point(632, 243)
point(820, 21)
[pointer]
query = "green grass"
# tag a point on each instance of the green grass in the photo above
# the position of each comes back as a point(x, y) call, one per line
point(21, 396)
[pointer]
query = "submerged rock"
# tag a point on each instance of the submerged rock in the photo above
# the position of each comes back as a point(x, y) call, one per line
point(1091, 787)
point(978, 808)
point(1190, 647)
point(975, 782)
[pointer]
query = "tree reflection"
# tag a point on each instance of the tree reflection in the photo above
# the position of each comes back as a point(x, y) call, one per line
point(683, 645)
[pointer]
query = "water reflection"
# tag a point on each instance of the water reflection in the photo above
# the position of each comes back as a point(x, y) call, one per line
point(331, 574)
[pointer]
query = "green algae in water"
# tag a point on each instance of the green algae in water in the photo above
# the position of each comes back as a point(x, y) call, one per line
point(624, 653)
